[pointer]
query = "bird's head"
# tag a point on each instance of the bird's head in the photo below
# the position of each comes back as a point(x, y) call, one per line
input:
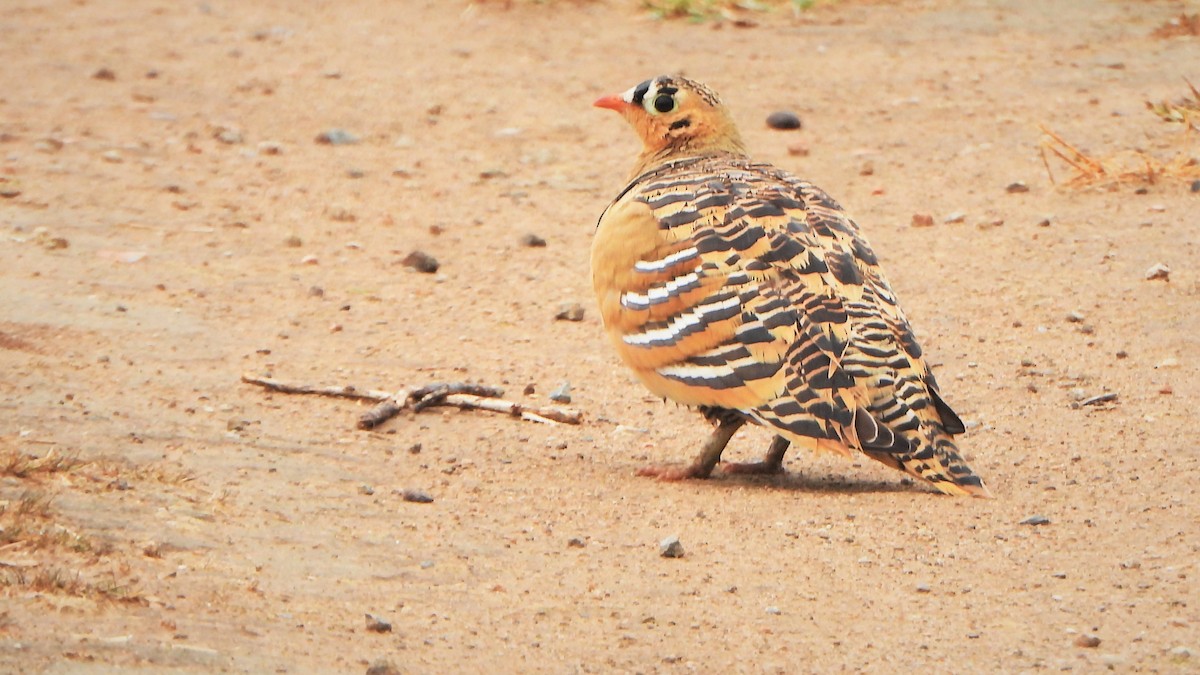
point(675, 116)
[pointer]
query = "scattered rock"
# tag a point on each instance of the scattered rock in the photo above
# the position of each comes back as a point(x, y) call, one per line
point(867, 169)
point(336, 137)
point(670, 547)
point(9, 190)
point(416, 496)
point(355, 173)
point(112, 157)
point(1044, 222)
point(105, 74)
point(340, 214)
point(270, 148)
point(956, 217)
point(569, 311)
point(533, 241)
point(382, 667)
point(47, 145)
point(797, 150)
point(1018, 186)
point(228, 136)
point(378, 625)
point(922, 220)
point(1087, 641)
point(366, 490)
point(783, 120)
point(316, 292)
point(421, 262)
point(1180, 653)
point(1036, 520)
point(1158, 271)
point(575, 542)
point(1196, 186)
point(529, 389)
point(562, 394)
point(1075, 317)
point(774, 610)
point(310, 259)
point(923, 588)
point(293, 242)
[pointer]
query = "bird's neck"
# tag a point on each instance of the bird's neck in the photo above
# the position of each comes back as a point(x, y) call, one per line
point(682, 149)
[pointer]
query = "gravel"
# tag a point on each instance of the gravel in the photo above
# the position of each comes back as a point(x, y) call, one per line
point(783, 120)
point(670, 547)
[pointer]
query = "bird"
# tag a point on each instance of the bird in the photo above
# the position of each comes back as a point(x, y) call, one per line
point(737, 289)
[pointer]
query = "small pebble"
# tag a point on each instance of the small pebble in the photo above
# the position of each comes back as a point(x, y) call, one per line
point(416, 496)
point(1196, 186)
point(670, 547)
point(336, 137)
point(956, 217)
point(293, 242)
point(923, 588)
point(340, 214)
point(378, 625)
point(1018, 186)
point(922, 220)
point(228, 136)
point(8, 190)
point(1087, 641)
point(1036, 520)
point(366, 490)
point(1158, 271)
point(421, 262)
point(783, 120)
point(1075, 317)
point(569, 311)
point(383, 667)
point(104, 74)
point(797, 150)
point(562, 394)
point(1181, 653)
point(112, 156)
point(774, 610)
point(270, 148)
point(575, 542)
point(316, 292)
point(533, 241)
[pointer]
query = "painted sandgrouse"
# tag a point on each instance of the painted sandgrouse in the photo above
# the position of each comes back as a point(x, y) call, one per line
point(734, 287)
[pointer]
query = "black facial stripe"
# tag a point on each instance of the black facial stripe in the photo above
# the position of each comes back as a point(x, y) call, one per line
point(640, 92)
point(668, 90)
point(679, 124)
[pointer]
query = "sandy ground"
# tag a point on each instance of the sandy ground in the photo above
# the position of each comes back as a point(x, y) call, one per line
point(168, 218)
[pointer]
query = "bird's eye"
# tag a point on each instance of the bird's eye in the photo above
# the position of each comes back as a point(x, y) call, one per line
point(664, 103)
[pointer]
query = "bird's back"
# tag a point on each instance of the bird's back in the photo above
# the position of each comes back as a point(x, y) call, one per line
point(727, 283)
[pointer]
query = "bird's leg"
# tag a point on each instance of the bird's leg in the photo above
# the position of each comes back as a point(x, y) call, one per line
point(710, 454)
point(771, 463)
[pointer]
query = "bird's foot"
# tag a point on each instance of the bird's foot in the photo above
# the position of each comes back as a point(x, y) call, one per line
point(674, 472)
point(765, 468)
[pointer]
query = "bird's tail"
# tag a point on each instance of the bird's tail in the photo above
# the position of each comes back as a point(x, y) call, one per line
point(936, 461)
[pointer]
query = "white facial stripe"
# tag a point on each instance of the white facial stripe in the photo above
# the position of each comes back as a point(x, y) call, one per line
point(667, 262)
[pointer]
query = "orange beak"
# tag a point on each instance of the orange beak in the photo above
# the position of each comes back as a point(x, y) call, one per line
point(613, 102)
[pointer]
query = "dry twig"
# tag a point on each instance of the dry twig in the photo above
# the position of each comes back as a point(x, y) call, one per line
point(458, 394)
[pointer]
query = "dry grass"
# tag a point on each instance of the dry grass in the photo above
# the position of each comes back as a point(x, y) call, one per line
point(20, 465)
point(1184, 111)
point(59, 581)
point(1123, 168)
point(1180, 26)
point(1131, 166)
point(707, 10)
